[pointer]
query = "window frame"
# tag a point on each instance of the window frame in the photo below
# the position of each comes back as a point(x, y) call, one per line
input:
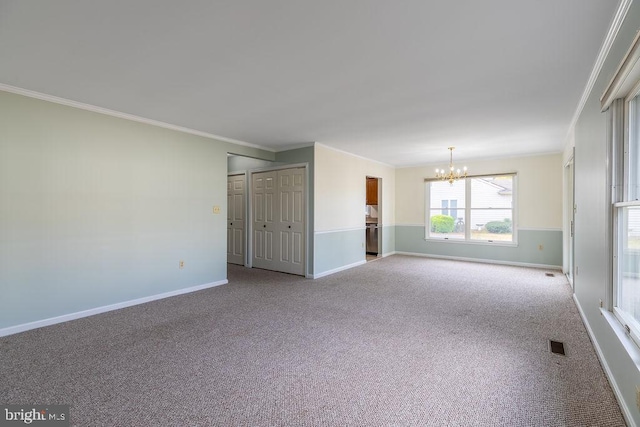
point(467, 209)
point(621, 170)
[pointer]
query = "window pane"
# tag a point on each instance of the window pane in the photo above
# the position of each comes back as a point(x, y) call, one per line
point(492, 224)
point(629, 272)
point(489, 218)
point(492, 192)
point(445, 226)
point(446, 216)
point(442, 193)
point(445, 207)
point(454, 208)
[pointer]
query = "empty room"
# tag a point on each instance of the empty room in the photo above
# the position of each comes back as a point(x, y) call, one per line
point(294, 213)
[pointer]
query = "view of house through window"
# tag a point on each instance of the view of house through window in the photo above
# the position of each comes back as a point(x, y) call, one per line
point(476, 209)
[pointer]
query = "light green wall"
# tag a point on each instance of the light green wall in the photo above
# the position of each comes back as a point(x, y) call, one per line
point(411, 239)
point(97, 210)
point(592, 282)
point(339, 249)
point(388, 239)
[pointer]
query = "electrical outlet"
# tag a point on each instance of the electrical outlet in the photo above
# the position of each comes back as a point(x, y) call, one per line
point(601, 304)
point(540, 247)
point(216, 209)
point(181, 264)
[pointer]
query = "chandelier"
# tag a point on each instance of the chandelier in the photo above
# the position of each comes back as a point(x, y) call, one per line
point(452, 174)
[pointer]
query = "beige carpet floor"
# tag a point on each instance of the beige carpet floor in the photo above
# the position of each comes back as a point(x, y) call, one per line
point(403, 341)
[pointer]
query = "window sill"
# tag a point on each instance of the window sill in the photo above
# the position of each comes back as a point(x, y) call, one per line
point(474, 242)
point(627, 342)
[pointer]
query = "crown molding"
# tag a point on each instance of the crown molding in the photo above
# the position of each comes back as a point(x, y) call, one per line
point(126, 116)
point(295, 147)
point(355, 155)
point(614, 28)
point(484, 159)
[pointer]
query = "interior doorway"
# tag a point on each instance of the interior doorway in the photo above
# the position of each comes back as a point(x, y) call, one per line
point(373, 218)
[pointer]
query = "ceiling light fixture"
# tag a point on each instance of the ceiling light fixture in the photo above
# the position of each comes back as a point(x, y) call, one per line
point(452, 174)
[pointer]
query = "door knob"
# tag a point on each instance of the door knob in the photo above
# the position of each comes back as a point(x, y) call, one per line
point(231, 224)
point(265, 225)
point(289, 226)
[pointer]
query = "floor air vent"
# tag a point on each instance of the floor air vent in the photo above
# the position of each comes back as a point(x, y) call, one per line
point(549, 274)
point(556, 347)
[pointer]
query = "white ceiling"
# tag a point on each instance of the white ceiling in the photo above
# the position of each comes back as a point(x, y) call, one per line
point(396, 82)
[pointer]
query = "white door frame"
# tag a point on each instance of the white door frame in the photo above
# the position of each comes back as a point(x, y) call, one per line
point(249, 247)
point(568, 173)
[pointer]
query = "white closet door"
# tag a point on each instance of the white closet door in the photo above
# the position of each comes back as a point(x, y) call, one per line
point(264, 204)
point(279, 220)
point(235, 219)
point(290, 226)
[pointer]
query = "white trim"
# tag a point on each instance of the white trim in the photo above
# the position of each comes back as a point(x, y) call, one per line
point(519, 228)
point(614, 28)
point(126, 116)
point(482, 260)
point(279, 167)
point(339, 230)
point(458, 241)
point(621, 83)
point(629, 204)
point(294, 147)
point(431, 164)
point(389, 254)
point(363, 227)
point(617, 329)
point(540, 229)
point(355, 155)
point(336, 270)
point(92, 311)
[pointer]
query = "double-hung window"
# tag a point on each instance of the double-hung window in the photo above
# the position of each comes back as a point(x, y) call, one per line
point(480, 209)
point(621, 101)
point(626, 217)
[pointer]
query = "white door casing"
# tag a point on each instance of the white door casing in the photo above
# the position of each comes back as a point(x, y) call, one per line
point(236, 219)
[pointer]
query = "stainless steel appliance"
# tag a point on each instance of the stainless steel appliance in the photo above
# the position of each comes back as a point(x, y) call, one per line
point(372, 239)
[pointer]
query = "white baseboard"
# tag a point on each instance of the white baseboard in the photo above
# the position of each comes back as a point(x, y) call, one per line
point(335, 270)
point(482, 260)
point(389, 254)
point(85, 313)
point(605, 366)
